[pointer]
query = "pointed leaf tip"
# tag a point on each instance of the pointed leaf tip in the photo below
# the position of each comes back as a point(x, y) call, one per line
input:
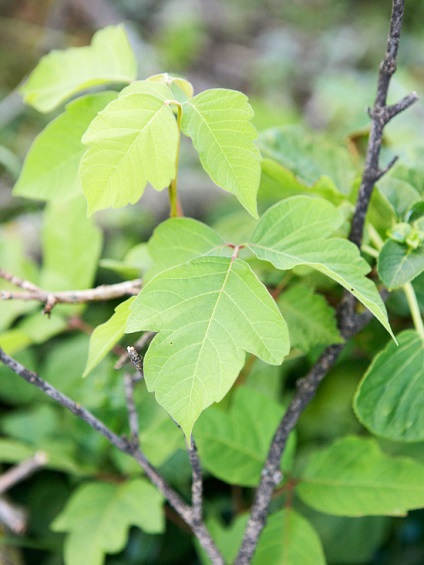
point(218, 122)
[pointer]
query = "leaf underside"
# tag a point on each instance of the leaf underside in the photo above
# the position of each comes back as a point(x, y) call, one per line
point(208, 313)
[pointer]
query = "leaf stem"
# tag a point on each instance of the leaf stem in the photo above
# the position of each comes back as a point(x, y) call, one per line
point(176, 210)
point(411, 297)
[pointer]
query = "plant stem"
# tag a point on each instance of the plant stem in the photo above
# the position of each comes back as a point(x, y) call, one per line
point(176, 210)
point(411, 297)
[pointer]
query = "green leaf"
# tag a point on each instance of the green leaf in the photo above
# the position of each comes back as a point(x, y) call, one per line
point(233, 444)
point(13, 259)
point(353, 477)
point(105, 336)
point(288, 539)
point(159, 435)
point(399, 264)
point(310, 319)
point(227, 538)
point(179, 240)
point(180, 87)
point(134, 265)
point(99, 515)
point(50, 170)
point(62, 74)
point(349, 541)
point(415, 211)
point(308, 157)
point(132, 142)
point(390, 397)
point(218, 122)
point(208, 312)
point(12, 451)
point(294, 232)
point(71, 246)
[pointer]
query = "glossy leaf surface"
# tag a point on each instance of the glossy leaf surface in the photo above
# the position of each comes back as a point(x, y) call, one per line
point(399, 264)
point(389, 400)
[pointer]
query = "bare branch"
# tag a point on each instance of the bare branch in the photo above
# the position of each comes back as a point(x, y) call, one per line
point(129, 382)
point(183, 509)
point(20, 472)
point(197, 482)
point(349, 323)
point(140, 344)
point(50, 299)
point(13, 517)
point(380, 115)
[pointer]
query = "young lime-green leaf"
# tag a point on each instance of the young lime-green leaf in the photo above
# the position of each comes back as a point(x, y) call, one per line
point(50, 170)
point(389, 400)
point(132, 142)
point(62, 74)
point(179, 240)
point(310, 319)
point(105, 336)
point(218, 122)
point(98, 516)
point(399, 264)
point(180, 87)
point(233, 445)
point(71, 246)
point(295, 231)
point(288, 539)
point(353, 477)
point(209, 312)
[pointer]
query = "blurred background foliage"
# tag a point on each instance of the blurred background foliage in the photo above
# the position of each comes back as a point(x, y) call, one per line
point(307, 63)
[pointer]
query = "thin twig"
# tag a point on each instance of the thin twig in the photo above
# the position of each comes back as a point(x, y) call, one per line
point(22, 471)
point(349, 323)
point(51, 298)
point(140, 344)
point(135, 360)
point(183, 509)
point(129, 383)
point(197, 482)
point(380, 115)
point(13, 517)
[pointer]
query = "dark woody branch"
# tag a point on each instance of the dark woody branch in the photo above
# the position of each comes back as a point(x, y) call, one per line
point(189, 515)
point(349, 322)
